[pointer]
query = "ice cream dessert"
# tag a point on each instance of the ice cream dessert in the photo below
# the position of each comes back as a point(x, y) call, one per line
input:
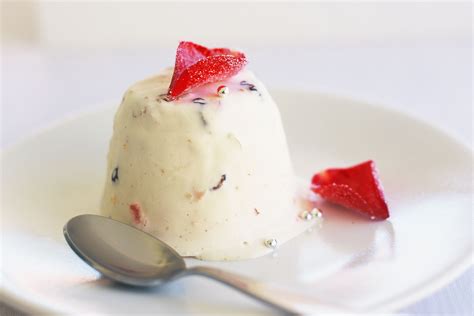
point(203, 163)
point(198, 158)
point(208, 172)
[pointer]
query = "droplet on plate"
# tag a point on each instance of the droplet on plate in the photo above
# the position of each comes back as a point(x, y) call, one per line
point(306, 215)
point(271, 243)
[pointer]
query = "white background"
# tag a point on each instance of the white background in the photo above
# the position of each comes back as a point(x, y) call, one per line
point(62, 58)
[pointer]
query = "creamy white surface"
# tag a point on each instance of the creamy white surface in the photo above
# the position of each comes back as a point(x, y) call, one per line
point(170, 156)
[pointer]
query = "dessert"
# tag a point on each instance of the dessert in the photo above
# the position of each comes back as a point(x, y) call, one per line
point(198, 158)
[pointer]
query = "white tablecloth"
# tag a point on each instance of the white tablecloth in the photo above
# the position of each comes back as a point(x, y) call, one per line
point(430, 80)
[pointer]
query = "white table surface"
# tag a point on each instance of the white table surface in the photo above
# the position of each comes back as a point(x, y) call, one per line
point(431, 80)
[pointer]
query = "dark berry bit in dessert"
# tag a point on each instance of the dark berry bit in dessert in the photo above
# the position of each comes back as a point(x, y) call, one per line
point(219, 185)
point(250, 86)
point(200, 101)
point(357, 187)
point(163, 97)
point(197, 65)
point(115, 175)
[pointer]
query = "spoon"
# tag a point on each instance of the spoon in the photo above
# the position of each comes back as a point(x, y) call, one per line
point(128, 255)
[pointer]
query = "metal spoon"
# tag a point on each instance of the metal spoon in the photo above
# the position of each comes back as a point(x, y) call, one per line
point(127, 255)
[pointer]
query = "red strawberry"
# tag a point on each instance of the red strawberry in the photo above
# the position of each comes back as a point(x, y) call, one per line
point(197, 65)
point(356, 187)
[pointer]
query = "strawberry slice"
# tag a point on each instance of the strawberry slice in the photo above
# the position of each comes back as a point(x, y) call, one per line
point(197, 65)
point(356, 187)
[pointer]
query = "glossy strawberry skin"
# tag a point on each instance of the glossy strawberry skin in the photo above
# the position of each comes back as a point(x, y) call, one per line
point(357, 187)
point(197, 65)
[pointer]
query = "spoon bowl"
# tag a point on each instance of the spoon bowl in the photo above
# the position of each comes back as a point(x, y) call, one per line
point(121, 252)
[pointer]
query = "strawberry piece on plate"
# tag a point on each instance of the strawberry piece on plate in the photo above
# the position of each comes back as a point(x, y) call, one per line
point(197, 65)
point(357, 187)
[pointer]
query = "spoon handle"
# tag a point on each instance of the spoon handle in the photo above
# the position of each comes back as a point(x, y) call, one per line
point(284, 301)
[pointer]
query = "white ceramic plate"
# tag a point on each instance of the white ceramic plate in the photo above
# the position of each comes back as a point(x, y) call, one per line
point(376, 266)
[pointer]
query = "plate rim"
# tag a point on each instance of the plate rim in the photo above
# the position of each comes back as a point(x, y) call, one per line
point(11, 298)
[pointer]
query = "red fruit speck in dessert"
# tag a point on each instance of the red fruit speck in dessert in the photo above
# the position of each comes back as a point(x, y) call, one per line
point(357, 187)
point(136, 212)
point(197, 65)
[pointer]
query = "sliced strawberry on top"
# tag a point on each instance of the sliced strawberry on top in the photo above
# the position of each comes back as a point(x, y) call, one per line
point(357, 187)
point(197, 65)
